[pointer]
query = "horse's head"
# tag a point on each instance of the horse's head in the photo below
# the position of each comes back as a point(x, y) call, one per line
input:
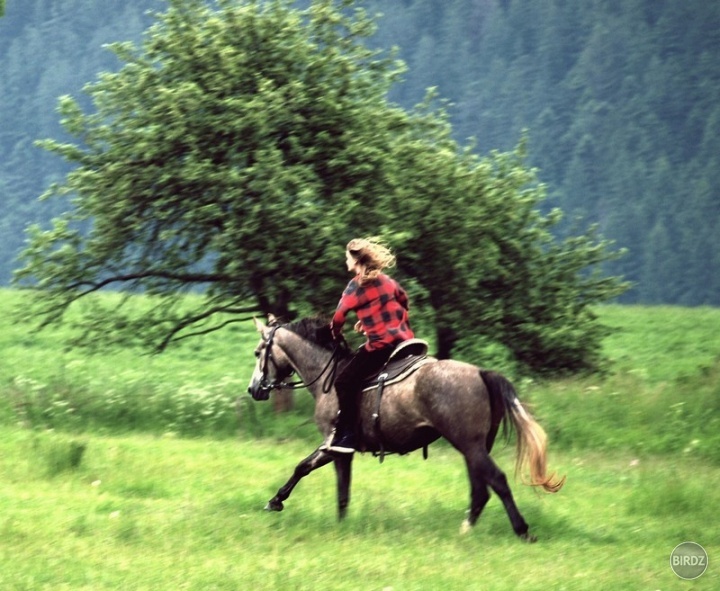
point(272, 365)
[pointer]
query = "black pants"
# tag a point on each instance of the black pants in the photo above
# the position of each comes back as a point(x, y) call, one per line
point(348, 384)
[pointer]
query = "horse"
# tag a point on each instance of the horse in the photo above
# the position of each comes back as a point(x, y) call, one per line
point(451, 399)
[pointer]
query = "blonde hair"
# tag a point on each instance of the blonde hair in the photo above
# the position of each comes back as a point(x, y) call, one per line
point(372, 254)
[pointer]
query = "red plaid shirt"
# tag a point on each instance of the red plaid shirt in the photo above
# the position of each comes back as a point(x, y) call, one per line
point(381, 306)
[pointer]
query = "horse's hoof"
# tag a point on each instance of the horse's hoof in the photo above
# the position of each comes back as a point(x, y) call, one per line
point(465, 527)
point(274, 506)
point(528, 537)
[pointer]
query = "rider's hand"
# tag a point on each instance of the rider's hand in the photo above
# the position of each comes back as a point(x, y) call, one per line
point(335, 332)
point(358, 327)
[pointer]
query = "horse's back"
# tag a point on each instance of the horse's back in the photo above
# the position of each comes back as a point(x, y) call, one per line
point(443, 399)
point(455, 395)
point(444, 372)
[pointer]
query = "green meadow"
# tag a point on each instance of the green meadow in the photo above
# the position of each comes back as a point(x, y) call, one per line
point(123, 470)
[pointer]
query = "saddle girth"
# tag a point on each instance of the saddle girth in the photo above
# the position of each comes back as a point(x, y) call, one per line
point(376, 415)
point(404, 361)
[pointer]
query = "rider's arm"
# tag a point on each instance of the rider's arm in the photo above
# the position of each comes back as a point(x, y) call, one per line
point(348, 302)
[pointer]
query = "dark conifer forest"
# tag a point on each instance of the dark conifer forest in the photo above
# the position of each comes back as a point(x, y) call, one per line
point(618, 100)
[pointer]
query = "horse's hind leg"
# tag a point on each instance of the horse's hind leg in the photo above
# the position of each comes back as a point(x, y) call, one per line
point(479, 494)
point(483, 473)
point(315, 460)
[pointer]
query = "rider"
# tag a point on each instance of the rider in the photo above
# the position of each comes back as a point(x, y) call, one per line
point(381, 306)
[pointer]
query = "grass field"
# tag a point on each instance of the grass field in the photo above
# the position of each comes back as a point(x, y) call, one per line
point(126, 471)
point(151, 513)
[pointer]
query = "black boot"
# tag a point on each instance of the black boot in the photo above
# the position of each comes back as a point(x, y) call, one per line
point(343, 441)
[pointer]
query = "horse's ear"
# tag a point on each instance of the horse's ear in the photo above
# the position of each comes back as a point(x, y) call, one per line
point(258, 324)
point(272, 319)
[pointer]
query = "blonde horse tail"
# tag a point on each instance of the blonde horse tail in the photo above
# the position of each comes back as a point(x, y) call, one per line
point(531, 454)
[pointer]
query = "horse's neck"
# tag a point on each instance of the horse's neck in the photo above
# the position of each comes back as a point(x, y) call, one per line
point(308, 359)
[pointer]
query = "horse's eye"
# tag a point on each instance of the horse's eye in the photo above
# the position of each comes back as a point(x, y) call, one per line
point(257, 354)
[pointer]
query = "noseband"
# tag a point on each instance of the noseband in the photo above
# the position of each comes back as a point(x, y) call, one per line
point(266, 386)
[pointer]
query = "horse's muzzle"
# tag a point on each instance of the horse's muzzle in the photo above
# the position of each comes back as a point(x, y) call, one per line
point(259, 391)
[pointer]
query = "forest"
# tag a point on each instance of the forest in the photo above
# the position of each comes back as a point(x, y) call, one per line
point(617, 100)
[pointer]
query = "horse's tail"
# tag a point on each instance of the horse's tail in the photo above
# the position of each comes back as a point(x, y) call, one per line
point(531, 438)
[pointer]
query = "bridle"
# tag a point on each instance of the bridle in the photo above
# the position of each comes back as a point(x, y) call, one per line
point(266, 385)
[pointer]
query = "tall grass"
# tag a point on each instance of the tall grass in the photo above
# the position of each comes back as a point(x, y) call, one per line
point(192, 390)
point(623, 413)
point(660, 392)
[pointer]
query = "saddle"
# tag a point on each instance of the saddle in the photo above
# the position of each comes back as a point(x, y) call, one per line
point(407, 357)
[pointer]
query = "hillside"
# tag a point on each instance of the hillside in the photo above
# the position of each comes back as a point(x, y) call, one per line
point(619, 100)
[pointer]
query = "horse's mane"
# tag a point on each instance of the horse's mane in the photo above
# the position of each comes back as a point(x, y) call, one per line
point(314, 329)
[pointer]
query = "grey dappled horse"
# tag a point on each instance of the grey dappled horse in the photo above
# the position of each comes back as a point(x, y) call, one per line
point(443, 398)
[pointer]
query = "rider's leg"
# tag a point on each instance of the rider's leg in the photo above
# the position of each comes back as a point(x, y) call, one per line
point(348, 386)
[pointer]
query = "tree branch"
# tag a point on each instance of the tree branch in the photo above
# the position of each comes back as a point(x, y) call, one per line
point(92, 286)
point(190, 320)
point(166, 342)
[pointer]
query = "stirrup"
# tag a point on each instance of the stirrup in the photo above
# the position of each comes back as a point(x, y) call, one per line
point(341, 449)
point(344, 445)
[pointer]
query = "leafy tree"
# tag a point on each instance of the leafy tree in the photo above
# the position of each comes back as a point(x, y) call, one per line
point(238, 151)
point(229, 157)
point(608, 90)
point(475, 240)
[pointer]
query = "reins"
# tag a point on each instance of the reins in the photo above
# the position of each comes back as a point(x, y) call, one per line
point(329, 378)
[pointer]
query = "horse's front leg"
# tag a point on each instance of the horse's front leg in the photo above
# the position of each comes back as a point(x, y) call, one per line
point(343, 471)
point(315, 460)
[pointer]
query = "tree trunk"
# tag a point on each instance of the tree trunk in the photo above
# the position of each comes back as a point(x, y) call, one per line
point(446, 339)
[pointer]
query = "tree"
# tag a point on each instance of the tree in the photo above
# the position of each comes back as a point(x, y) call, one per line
point(238, 150)
point(606, 90)
point(228, 157)
point(492, 269)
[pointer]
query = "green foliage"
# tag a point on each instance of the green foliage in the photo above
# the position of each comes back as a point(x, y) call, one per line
point(237, 146)
point(619, 101)
point(491, 266)
point(69, 35)
point(235, 152)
